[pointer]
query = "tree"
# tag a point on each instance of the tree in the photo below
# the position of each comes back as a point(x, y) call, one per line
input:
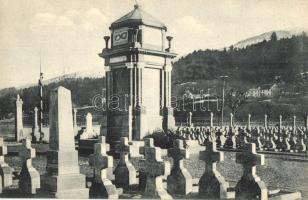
point(274, 37)
point(235, 99)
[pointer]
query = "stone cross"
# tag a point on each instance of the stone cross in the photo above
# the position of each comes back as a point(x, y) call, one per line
point(231, 120)
point(29, 178)
point(62, 158)
point(212, 184)
point(155, 168)
point(179, 181)
point(212, 117)
point(101, 186)
point(280, 122)
point(6, 171)
point(249, 124)
point(250, 185)
point(19, 120)
point(265, 121)
point(125, 172)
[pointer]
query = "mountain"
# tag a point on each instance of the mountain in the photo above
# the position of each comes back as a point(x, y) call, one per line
point(265, 36)
point(91, 73)
point(257, 64)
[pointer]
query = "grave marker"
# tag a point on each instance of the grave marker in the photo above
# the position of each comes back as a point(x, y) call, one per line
point(212, 116)
point(179, 181)
point(29, 178)
point(35, 129)
point(249, 124)
point(101, 186)
point(250, 185)
point(5, 169)
point(212, 184)
point(125, 172)
point(63, 178)
point(280, 122)
point(155, 168)
point(265, 121)
point(231, 120)
point(19, 120)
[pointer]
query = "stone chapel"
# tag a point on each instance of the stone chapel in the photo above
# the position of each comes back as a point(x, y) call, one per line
point(138, 65)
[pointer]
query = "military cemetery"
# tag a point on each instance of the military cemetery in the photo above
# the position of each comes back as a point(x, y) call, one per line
point(144, 144)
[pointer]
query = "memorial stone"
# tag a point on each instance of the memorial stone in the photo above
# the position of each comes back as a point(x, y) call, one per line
point(29, 178)
point(101, 186)
point(63, 178)
point(250, 186)
point(179, 181)
point(212, 184)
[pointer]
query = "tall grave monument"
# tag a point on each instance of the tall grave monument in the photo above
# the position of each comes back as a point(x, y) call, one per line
point(138, 77)
point(63, 178)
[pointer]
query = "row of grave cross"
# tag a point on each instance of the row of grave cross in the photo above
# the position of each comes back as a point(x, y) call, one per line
point(269, 139)
point(153, 170)
point(231, 123)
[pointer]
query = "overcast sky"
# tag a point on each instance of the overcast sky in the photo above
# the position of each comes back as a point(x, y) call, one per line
point(70, 33)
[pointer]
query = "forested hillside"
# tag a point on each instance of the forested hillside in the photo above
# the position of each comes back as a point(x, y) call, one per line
point(83, 90)
point(254, 65)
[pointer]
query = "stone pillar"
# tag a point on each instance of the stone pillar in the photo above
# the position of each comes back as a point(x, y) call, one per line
point(18, 120)
point(231, 119)
point(35, 130)
point(249, 122)
point(63, 178)
point(280, 122)
point(294, 124)
point(89, 125)
point(212, 118)
point(189, 119)
point(141, 123)
point(75, 121)
point(75, 117)
point(265, 121)
point(307, 122)
point(168, 118)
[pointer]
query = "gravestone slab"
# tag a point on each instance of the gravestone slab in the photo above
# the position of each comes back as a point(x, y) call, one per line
point(101, 186)
point(5, 169)
point(212, 184)
point(179, 181)
point(29, 178)
point(250, 186)
point(155, 169)
point(63, 178)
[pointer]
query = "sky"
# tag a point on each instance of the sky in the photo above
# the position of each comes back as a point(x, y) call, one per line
point(68, 34)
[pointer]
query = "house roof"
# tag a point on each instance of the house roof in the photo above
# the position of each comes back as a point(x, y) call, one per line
point(266, 86)
point(138, 17)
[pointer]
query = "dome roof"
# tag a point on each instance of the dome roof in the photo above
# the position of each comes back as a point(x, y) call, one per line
point(138, 17)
